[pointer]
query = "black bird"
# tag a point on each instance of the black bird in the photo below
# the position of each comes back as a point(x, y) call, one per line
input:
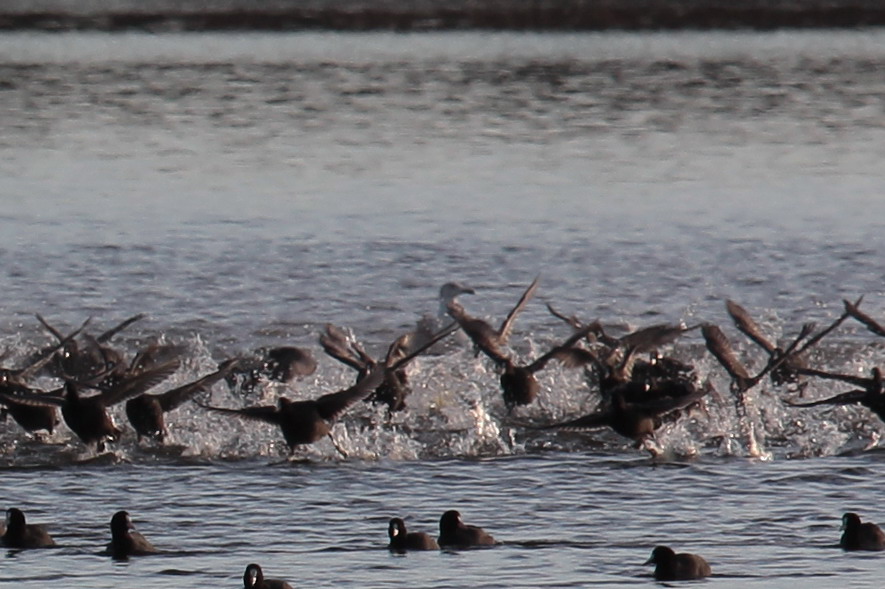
point(125, 541)
point(281, 364)
point(871, 395)
point(32, 418)
point(402, 541)
point(636, 411)
point(394, 389)
point(860, 536)
point(487, 339)
point(670, 566)
point(305, 422)
point(253, 578)
point(454, 533)
point(518, 382)
point(146, 412)
point(20, 534)
point(88, 417)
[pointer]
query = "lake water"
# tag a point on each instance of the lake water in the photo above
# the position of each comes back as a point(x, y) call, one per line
point(243, 190)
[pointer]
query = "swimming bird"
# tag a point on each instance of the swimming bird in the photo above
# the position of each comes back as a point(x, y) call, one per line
point(871, 395)
point(402, 541)
point(487, 339)
point(670, 566)
point(146, 412)
point(454, 533)
point(20, 534)
point(253, 578)
point(860, 536)
point(125, 541)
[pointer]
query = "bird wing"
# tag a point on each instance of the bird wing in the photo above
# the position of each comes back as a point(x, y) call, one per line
point(266, 413)
point(856, 396)
point(666, 404)
point(22, 395)
point(134, 385)
point(854, 310)
point(46, 355)
point(745, 324)
point(507, 325)
point(566, 352)
point(721, 348)
point(335, 343)
point(858, 381)
point(106, 336)
point(593, 420)
point(654, 336)
point(175, 397)
point(426, 345)
point(332, 405)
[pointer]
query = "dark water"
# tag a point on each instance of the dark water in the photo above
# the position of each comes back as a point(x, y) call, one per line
point(243, 190)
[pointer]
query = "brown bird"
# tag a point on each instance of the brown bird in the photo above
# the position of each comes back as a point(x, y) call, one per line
point(88, 417)
point(638, 419)
point(871, 395)
point(487, 339)
point(394, 389)
point(20, 534)
point(305, 422)
point(860, 536)
point(253, 578)
point(125, 541)
point(403, 541)
point(454, 533)
point(146, 412)
point(670, 566)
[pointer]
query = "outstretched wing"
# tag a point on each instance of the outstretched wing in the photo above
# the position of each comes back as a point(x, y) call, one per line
point(22, 395)
point(138, 384)
point(591, 421)
point(652, 337)
point(106, 336)
point(853, 309)
point(507, 325)
point(721, 348)
point(747, 326)
point(336, 343)
point(265, 413)
point(175, 397)
point(849, 398)
point(332, 405)
point(566, 352)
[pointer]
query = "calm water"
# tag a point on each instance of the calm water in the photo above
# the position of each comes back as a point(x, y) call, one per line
point(243, 190)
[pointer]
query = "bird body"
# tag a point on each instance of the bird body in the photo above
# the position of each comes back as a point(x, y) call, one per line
point(20, 534)
point(402, 540)
point(670, 566)
point(454, 533)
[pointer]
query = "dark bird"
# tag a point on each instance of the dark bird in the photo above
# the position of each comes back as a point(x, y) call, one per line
point(394, 389)
point(253, 578)
point(403, 541)
point(518, 382)
point(32, 418)
point(125, 541)
point(20, 534)
point(636, 411)
point(789, 369)
point(146, 412)
point(853, 309)
point(280, 364)
point(485, 338)
point(871, 395)
point(860, 536)
point(454, 533)
point(670, 566)
point(88, 417)
point(90, 359)
point(305, 422)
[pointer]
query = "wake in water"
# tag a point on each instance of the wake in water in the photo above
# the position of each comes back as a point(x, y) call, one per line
point(656, 388)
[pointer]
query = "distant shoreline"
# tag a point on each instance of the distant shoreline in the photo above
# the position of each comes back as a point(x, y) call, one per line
point(430, 15)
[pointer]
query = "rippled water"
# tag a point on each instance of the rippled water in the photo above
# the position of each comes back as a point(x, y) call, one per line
point(243, 190)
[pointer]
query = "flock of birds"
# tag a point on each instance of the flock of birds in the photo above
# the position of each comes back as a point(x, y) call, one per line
point(454, 534)
point(639, 387)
